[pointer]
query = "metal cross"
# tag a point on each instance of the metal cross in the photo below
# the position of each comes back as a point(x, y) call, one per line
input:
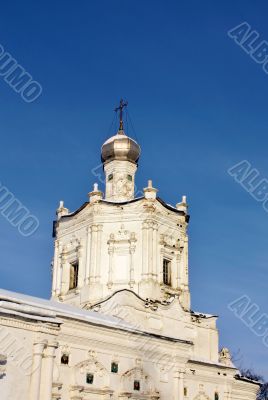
point(120, 108)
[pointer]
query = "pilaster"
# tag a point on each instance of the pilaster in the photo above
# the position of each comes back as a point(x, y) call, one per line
point(48, 370)
point(38, 349)
point(98, 253)
point(88, 247)
point(144, 249)
point(93, 253)
point(178, 384)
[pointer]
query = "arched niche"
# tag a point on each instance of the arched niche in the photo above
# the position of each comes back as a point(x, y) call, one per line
point(129, 380)
point(86, 368)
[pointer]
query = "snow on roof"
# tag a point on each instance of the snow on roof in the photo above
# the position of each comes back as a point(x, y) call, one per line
point(9, 300)
point(45, 310)
point(215, 363)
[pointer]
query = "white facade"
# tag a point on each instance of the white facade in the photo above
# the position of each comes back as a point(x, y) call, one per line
point(119, 324)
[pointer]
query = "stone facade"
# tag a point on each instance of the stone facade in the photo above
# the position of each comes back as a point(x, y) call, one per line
point(119, 324)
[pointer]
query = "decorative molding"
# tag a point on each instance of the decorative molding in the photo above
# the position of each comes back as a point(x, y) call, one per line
point(38, 326)
point(147, 386)
point(93, 366)
point(201, 395)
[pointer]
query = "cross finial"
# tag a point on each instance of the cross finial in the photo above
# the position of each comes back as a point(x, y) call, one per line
point(120, 108)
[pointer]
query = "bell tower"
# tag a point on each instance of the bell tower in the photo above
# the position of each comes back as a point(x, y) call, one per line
point(118, 241)
point(120, 155)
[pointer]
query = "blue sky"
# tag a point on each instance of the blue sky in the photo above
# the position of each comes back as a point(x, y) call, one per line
point(198, 103)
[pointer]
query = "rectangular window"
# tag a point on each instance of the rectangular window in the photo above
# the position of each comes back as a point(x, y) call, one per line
point(90, 379)
point(110, 177)
point(114, 367)
point(185, 391)
point(137, 385)
point(167, 272)
point(129, 178)
point(64, 359)
point(74, 268)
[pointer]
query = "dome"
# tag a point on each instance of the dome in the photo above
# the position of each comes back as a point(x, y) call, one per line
point(120, 147)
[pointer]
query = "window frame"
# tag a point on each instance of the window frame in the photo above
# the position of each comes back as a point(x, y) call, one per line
point(166, 271)
point(89, 381)
point(137, 385)
point(114, 363)
point(67, 357)
point(73, 280)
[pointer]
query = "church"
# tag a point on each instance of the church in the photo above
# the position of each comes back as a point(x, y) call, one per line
point(119, 324)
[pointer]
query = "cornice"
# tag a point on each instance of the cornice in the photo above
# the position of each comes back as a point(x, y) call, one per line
point(22, 323)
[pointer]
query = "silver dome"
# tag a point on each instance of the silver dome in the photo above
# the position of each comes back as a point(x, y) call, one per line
point(120, 147)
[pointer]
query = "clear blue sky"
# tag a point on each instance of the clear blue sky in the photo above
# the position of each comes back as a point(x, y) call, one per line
point(198, 104)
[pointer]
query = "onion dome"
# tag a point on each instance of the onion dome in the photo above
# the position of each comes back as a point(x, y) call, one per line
point(120, 147)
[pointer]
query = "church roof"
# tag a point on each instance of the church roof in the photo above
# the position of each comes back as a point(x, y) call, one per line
point(13, 302)
point(35, 308)
point(164, 204)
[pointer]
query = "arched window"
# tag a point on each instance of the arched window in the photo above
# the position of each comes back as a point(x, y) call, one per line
point(216, 396)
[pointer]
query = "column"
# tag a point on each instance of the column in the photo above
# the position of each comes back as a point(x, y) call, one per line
point(55, 267)
point(64, 282)
point(185, 262)
point(93, 250)
point(178, 384)
point(131, 267)
point(185, 280)
point(48, 370)
point(38, 349)
point(57, 270)
point(181, 385)
point(88, 245)
point(155, 251)
point(81, 264)
point(150, 249)
point(98, 253)
point(178, 270)
point(60, 271)
point(162, 251)
point(111, 261)
point(144, 249)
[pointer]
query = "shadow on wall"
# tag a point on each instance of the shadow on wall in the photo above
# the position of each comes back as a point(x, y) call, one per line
point(3, 362)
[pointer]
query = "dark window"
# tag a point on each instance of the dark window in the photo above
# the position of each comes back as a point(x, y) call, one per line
point(114, 367)
point(110, 177)
point(137, 385)
point(64, 359)
point(74, 267)
point(129, 177)
point(90, 379)
point(216, 396)
point(166, 272)
point(185, 391)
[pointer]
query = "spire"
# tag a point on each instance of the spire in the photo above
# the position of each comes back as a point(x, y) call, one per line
point(120, 108)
